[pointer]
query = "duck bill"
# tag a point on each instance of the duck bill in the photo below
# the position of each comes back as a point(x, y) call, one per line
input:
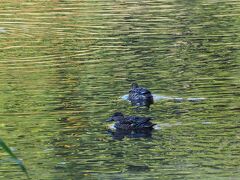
point(110, 119)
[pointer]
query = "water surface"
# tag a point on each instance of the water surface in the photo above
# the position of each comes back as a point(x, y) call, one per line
point(64, 65)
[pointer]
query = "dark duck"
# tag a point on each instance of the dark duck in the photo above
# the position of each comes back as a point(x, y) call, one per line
point(140, 96)
point(131, 122)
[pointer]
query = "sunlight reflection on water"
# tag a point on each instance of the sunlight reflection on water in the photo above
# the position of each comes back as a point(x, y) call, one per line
point(64, 64)
point(2, 30)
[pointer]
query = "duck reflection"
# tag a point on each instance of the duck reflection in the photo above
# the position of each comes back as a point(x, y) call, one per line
point(120, 134)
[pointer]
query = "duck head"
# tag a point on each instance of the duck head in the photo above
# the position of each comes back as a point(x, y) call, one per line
point(117, 116)
point(134, 85)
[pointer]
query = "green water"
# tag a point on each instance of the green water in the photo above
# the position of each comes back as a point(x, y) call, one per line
point(64, 65)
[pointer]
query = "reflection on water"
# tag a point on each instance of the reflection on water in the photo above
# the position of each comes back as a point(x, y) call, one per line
point(2, 30)
point(121, 134)
point(64, 65)
point(159, 97)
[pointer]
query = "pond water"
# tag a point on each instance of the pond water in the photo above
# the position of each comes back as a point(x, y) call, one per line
point(65, 64)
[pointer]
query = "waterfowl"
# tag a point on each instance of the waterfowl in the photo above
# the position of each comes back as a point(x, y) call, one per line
point(140, 96)
point(130, 122)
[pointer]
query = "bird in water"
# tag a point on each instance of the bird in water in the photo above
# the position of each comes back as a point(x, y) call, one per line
point(140, 96)
point(131, 122)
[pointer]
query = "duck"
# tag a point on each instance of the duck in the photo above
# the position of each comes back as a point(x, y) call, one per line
point(140, 96)
point(130, 122)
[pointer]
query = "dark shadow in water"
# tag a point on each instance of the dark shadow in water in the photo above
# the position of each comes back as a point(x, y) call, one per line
point(121, 134)
point(137, 168)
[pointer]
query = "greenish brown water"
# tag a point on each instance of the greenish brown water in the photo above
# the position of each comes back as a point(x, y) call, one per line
point(64, 65)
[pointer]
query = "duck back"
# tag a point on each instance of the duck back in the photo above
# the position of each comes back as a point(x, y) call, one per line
point(140, 96)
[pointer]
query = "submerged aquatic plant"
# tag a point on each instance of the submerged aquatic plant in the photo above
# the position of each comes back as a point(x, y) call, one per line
point(6, 149)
